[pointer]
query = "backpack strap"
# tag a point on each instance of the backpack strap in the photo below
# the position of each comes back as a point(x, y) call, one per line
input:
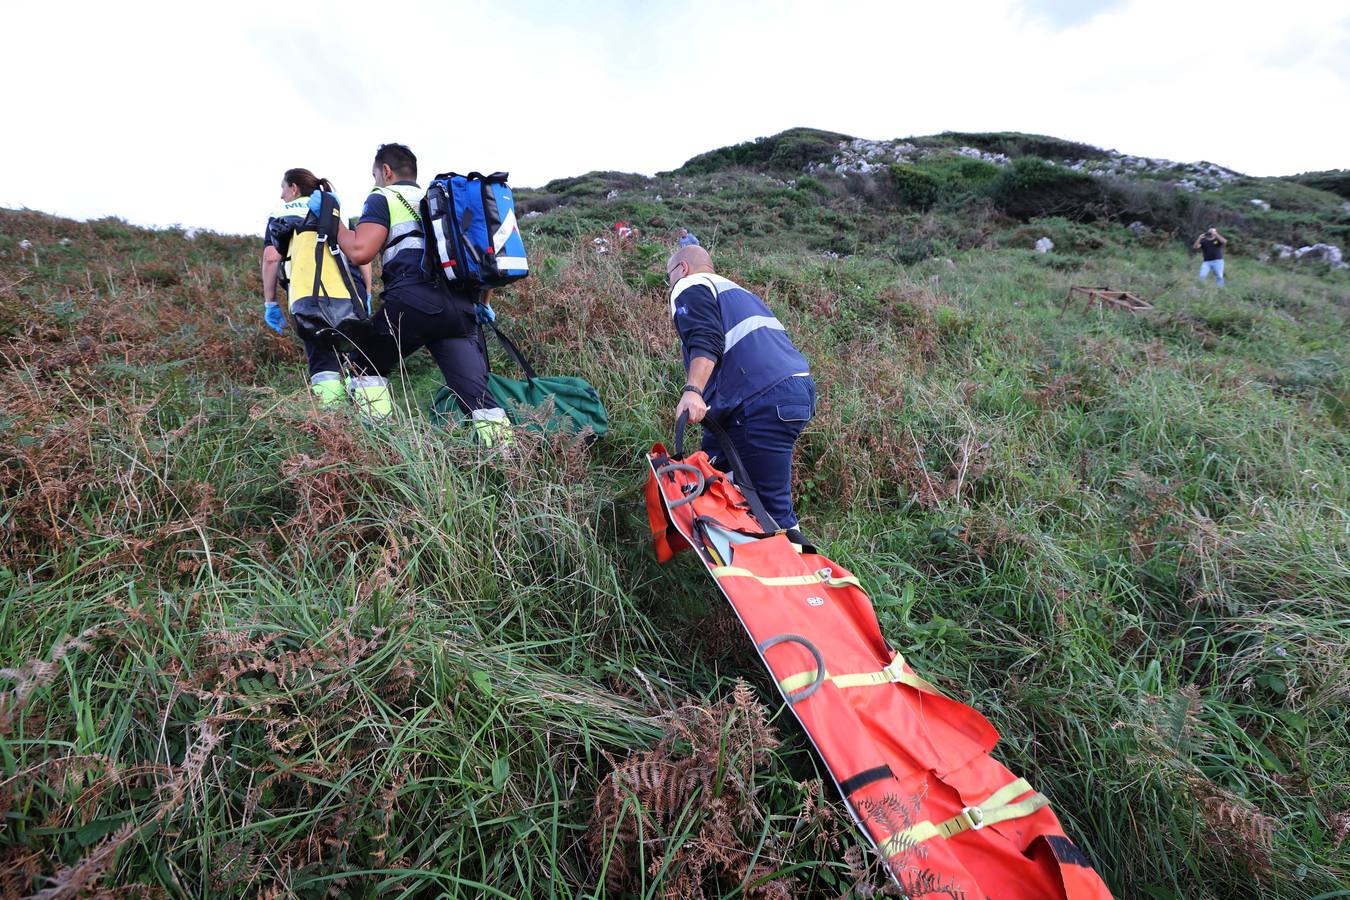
point(325, 216)
point(328, 241)
point(514, 352)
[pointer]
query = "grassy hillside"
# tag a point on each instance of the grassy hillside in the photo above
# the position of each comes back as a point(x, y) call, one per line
point(254, 649)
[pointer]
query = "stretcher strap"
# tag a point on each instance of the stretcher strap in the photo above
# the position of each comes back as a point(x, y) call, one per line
point(824, 576)
point(851, 786)
point(766, 521)
point(998, 808)
point(894, 673)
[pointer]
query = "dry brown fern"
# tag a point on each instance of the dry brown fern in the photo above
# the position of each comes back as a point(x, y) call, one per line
point(37, 673)
point(690, 805)
point(81, 878)
point(1237, 829)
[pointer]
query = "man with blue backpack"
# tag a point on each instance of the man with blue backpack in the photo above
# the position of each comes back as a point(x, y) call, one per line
point(417, 311)
point(744, 373)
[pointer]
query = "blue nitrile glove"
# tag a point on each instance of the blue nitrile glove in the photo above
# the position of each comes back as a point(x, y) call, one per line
point(486, 314)
point(316, 201)
point(273, 317)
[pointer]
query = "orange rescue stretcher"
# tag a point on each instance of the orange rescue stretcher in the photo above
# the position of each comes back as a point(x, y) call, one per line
point(913, 765)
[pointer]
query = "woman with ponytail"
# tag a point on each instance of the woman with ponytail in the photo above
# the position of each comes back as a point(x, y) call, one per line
point(325, 376)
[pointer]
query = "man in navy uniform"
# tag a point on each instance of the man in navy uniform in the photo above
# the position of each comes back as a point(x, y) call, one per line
point(744, 372)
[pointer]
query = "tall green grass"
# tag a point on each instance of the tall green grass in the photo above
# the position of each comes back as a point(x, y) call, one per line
point(255, 649)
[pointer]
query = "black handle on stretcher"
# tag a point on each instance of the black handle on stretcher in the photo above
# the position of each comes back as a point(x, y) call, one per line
point(680, 424)
point(742, 479)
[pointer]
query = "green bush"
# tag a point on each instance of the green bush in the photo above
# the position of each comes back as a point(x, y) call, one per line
point(809, 184)
point(914, 187)
point(961, 174)
point(1015, 144)
point(1032, 187)
point(788, 151)
point(1068, 236)
point(1337, 181)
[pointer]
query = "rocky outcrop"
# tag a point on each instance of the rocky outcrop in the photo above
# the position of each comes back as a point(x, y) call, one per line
point(1328, 253)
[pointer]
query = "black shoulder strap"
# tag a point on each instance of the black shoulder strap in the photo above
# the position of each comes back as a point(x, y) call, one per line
point(323, 222)
point(743, 481)
point(514, 352)
point(328, 215)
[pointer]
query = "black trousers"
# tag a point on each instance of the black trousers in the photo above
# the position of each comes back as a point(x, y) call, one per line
point(321, 357)
point(449, 334)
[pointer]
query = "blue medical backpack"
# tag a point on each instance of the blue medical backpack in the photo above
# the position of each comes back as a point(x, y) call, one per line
point(473, 238)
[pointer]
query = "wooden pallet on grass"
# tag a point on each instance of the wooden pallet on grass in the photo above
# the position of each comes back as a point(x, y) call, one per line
point(1107, 298)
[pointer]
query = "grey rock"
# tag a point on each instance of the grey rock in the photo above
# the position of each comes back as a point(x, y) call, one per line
point(1328, 253)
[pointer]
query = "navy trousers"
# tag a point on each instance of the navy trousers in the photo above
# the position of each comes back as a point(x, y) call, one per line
point(764, 430)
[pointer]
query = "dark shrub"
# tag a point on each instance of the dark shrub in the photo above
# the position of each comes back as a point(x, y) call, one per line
point(797, 149)
point(789, 151)
point(1156, 204)
point(809, 184)
point(1015, 144)
point(1032, 187)
point(1337, 181)
point(1067, 236)
point(963, 173)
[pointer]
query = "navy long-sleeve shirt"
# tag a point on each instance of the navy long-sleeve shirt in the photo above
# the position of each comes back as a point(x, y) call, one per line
point(698, 319)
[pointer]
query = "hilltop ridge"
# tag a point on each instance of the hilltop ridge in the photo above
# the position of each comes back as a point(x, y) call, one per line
point(830, 192)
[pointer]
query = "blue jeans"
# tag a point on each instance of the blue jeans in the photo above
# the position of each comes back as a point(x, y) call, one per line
point(1212, 265)
point(764, 430)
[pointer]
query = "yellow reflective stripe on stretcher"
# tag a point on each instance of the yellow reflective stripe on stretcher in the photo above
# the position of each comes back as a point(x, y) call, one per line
point(824, 576)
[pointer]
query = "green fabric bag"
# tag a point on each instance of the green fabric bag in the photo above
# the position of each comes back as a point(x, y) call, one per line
point(549, 403)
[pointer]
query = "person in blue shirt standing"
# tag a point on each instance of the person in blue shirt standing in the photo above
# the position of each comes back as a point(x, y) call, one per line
point(744, 372)
point(325, 369)
point(417, 311)
point(687, 238)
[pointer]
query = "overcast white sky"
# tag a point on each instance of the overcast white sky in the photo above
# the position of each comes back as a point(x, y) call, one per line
point(188, 112)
